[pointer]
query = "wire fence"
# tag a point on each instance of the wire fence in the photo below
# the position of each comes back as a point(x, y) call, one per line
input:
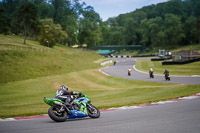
point(21, 47)
point(41, 49)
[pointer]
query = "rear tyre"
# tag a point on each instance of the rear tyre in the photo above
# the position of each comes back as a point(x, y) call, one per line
point(93, 112)
point(58, 117)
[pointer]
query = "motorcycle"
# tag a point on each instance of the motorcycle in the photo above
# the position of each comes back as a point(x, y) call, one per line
point(129, 72)
point(115, 63)
point(167, 77)
point(80, 107)
point(151, 74)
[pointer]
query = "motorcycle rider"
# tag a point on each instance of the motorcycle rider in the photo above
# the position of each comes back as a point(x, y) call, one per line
point(166, 72)
point(115, 63)
point(151, 73)
point(67, 96)
point(129, 71)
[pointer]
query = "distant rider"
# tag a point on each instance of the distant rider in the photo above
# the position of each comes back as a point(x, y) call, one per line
point(65, 95)
point(151, 73)
point(115, 63)
point(129, 71)
point(166, 72)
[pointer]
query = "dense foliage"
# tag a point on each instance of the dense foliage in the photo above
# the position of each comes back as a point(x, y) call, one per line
point(169, 24)
point(165, 25)
point(51, 21)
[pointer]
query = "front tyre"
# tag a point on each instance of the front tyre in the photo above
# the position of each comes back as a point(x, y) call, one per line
point(58, 117)
point(93, 112)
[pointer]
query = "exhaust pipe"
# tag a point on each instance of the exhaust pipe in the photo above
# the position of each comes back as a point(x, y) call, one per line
point(57, 103)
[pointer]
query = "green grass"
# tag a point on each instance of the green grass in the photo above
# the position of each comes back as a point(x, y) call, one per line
point(175, 49)
point(28, 75)
point(145, 64)
point(20, 64)
point(187, 69)
point(188, 47)
point(21, 98)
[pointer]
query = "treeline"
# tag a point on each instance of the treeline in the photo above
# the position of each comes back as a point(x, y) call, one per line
point(165, 25)
point(68, 22)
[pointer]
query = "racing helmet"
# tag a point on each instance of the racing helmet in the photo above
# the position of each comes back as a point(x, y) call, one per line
point(63, 87)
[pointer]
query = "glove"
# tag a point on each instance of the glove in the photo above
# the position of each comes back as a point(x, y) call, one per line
point(80, 94)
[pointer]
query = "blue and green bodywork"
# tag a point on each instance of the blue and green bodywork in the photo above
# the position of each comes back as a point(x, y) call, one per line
point(83, 101)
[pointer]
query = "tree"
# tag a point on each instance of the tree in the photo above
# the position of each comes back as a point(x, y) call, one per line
point(191, 30)
point(130, 30)
point(173, 30)
point(89, 30)
point(27, 17)
point(4, 23)
point(198, 29)
point(51, 33)
point(105, 34)
point(66, 13)
point(45, 10)
point(195, 4)
point(152, 34)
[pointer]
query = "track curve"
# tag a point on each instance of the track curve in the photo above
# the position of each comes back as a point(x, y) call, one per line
point(123, 64)
point(178, 117)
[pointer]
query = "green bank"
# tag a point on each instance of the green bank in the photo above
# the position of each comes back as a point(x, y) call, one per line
point(28, 75)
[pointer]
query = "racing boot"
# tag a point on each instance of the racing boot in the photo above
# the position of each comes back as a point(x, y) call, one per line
point(67, 109)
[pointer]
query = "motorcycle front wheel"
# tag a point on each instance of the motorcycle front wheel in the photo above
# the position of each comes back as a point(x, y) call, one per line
point(57, 116)
point(93, 112)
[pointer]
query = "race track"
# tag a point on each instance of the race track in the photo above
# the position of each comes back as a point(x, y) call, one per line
point(177, 117)
point(123, 64)
point(172, 117)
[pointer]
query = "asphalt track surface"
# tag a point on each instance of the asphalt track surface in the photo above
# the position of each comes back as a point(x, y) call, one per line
point(178, 117)
point(175, 117)
point(123, 64)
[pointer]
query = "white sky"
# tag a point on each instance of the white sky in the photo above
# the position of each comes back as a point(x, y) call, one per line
point(112, 8)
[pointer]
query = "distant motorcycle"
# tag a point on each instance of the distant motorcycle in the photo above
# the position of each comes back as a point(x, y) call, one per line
point(81, 107)
point(151, 75)
point(167, 77)
point(115, 63)
point(129, 72)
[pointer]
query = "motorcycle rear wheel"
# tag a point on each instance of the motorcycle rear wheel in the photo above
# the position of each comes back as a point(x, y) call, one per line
point(53, 114)
point(93, 112)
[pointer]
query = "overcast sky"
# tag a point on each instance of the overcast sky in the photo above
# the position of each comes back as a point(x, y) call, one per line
point(112, 8)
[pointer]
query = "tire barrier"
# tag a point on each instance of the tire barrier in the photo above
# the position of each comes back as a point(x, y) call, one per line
point(179, 62)
point(161, 59)
point(121, 56)
point(127, 56)
point(105, 62)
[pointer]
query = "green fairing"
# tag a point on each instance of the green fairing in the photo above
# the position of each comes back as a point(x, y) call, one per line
point(86, 96)
point(49, 101)
point(83, 107)
point(83, 104)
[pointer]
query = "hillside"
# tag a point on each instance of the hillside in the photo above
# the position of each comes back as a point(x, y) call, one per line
point(31, 72)
point(188, 47)
point(19, 61)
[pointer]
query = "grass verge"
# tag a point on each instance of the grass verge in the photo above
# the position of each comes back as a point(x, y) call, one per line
point(31, 72)
point(23, 98)
point(144, 64)
point(19, 63)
